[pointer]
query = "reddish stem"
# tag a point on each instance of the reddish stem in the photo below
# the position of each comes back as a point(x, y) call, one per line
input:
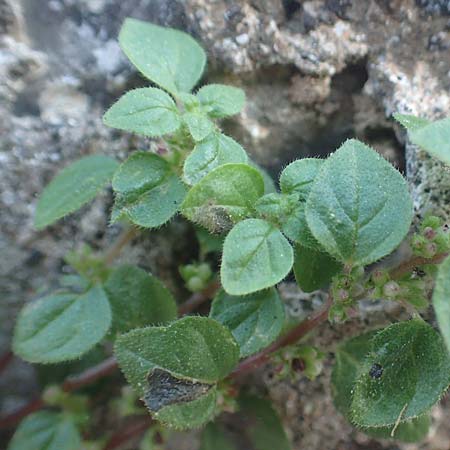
point(5, 360)
point(293, 336)
point(129, 432)
point(20, 413)
point(409, 265)
point(197, 299)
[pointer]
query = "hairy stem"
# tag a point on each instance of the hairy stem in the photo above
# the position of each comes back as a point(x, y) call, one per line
point(124, 238)
point(408, 266)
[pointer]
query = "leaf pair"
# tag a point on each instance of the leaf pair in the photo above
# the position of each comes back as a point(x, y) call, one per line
point(392, 376)
point(176, 368)
point(63, 327)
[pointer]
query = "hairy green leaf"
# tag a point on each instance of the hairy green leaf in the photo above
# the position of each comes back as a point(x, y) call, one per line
point(195, 348)
point(404, 375)
point(146, 111)
point(276, 208)
point(359, 208)
point(264, 429)
point(350, 358)
point(220, 100)
point(269, 183)
point(298, 176)
point(216, 150)
point(170, 58)
point(138, 299)
point(225, 196)
point(74, 186)
point(148, 193)
point(62, 327)
point(434, 138)
point(198, 124)
point(411, 122)
point(255, 256)
point(441, 300)
point(314, 268)
point(45, 430)
point(255, 320)
point(213, 438)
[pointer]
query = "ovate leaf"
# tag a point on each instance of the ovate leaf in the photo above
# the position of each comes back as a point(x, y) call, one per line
point(213, 438)
point(214, 151)
point(255, 320)
point(225, 196)
point(220, 100)
point(146, 111)
point(359, 208)
point(138, 299)
point(350, 358)
point(170, 58)
point(198, 124)
point(264, 428)
point(410, 122)
point(255, 256)
point(404, 375)
point(297, 177)
point(46, 430)
point(74, 186)
point(62, 327)
point(441, 300)
point(314, 268)
point(148, 193)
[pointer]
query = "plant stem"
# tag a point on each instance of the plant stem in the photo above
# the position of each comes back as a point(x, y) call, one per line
point(124, 238)
point(416, 261)
point(5, 360)
point(131, 431)
point(293, 336)
point(198, 298)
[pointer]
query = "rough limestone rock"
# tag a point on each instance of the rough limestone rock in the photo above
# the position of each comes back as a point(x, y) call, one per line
point(315, 73)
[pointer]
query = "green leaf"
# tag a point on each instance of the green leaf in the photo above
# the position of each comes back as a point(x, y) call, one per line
point(255, 320)
point(350, 358)
point(269, 184)
point(146, 111)
point(225, 196)
point(297, 177)
point(46, 430)
point(411, 122)
point(359, 208)
point(441, 300)
point(276, 208)
point(208, 243)
point(255, 256)
point(170, 58)
point(62, 327)
point(434, 138)
point(221, 100)
point(193, 348)
point(404, 375)
point(313, 268)
point(213, 438)
point(74, 186)
point(264, 428)
point(216, 150)
point(198, 124)
point(148, 193)
point(297, 230)
point(138, 299)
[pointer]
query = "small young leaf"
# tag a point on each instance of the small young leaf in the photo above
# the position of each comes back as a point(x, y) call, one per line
point(434, 138)
point(359, 207)
point(410, 122)
point(146, 111)
point(255, 320)
point(441, 300)
point(221, 100)
point(198, 124)
point(264, 429)
point(213, 438)
point(195, 348)
point(350, 358)
point(404, 375)
point(45, 430)
point(138, 299)
point(216, 150)
point(255, 256)
point(276, 208)
point(62, 327)
point(148, 193)
point(74, 186)
point(313, 268)
point(297, 230)
point(170, 58)
point(298, 176)
point(225, 196)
